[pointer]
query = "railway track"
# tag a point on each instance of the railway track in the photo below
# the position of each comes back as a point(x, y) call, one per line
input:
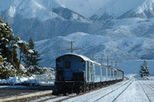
point(61, 98)
point(151, 87)
point(115, 93)
point(121, 92)
point(70, 96)
point(145, 92)
point(66, 97)
point(127, 84)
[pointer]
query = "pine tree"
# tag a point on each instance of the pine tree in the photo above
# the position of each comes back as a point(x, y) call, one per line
point(32, 58)
point(144, 70)
point(11, 47)
point(7, 41)
point(8, 46)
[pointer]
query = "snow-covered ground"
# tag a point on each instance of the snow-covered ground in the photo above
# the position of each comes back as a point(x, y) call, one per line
point(42, 80)
point(132, 90)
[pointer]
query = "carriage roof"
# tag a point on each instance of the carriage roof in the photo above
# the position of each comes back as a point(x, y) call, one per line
point(81, 56)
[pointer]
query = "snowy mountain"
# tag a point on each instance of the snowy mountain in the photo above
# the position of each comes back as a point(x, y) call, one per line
point(40, 9)
point(125, 51)
point(69, 14)
point(96, 45)
point(99, 8)
point(146, 10)
point(50, 18)
point(20, 4)
point(89, 8)
point(123, 28)
point(86, 8)
point(36, 15)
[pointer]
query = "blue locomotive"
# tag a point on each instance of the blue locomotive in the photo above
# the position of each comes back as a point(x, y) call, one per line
point(77, 73)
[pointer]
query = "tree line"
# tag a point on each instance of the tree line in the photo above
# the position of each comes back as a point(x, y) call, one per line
point(17, 57)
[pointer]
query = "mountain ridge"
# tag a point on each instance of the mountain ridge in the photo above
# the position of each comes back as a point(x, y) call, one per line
point(98, 30)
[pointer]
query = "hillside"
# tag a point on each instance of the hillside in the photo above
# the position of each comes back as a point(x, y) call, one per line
point(122, 29)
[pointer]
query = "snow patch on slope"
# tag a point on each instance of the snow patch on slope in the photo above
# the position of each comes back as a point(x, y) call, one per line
point(12, 11)
point(145, 10)
point(148, 5)
point(35, 10)
point(41, 9)
point(96, 45)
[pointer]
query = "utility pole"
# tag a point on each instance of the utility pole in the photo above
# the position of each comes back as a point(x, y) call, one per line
point(106, 56)
point(116, 63)
point(107, 60)
point(72, 49)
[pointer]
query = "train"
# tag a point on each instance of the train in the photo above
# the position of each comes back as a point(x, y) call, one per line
point(76, 73)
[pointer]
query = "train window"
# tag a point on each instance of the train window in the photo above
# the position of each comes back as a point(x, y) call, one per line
point(67, 65)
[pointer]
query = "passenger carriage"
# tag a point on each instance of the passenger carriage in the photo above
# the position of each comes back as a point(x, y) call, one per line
point(75, 73)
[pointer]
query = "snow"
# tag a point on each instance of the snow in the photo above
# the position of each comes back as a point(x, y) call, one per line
point(21, 42)
point(30, 8)
point(126, 50)
point(130, 38)
point(144, 10)
point(86, 7)
point(30, 51)
point(146, 6)
point(12, 11)
point(15, 45)
point(42, 11)
point(110, 7)
point(99, 7)
point(81, 56)
point(132, 90)
point(3, 24)
point(33, 80)
point(37, 11)
point(46, 79)
point(13, 80)
point(22, 67)
point(4, 39)
point(133, 94)
point(60, 43)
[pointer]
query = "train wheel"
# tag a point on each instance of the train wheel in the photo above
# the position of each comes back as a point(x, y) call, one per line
point(80, 89)
point(77, 92)
point(83, 89)
point(89, 87)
